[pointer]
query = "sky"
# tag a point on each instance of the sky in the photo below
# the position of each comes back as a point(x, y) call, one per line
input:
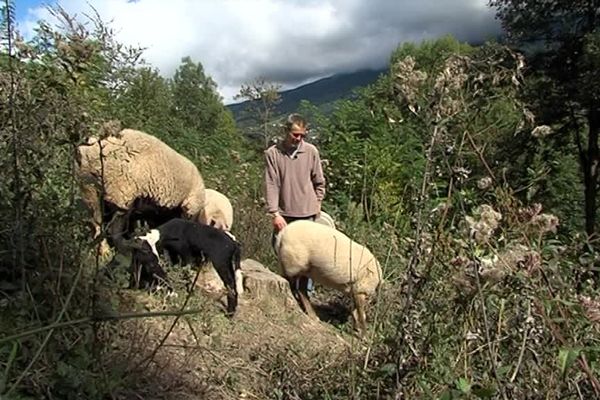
point(288, 42)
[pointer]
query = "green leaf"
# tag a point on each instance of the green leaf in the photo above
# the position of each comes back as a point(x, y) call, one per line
point(447, 395)
point(463, 385)
point(484, 392)
point(11, 358)
point(503, 370)
point(388, 369)
point(566, 358)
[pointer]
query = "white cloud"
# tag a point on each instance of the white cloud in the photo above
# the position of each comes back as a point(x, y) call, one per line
point(287, 41)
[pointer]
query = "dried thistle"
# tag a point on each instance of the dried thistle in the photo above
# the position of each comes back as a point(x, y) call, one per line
point(490, 270)
point(545, 223)
point(483, 224)
point(408, 80)
point(452, 77)
point(527, 213)
point(541, 131)
point(591, 308)
point(519, 257)
point(484, 183)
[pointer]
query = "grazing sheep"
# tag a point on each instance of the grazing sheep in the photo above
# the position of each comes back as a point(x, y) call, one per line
point(218, 211)
point(135, 166)
point(188, 241)
point(306, 249)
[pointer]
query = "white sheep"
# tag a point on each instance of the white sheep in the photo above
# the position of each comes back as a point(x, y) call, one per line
point(136, 166)
point(307, 249)
point(218, 211)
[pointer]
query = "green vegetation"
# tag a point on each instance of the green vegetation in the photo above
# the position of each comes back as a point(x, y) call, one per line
point(466, 170)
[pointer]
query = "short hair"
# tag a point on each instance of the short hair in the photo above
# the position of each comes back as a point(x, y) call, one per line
point(295, 119)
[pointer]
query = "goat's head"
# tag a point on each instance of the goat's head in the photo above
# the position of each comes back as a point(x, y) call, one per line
point(145, 261)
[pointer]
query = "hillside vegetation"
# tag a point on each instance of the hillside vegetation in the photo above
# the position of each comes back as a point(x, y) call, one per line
point(321, 93)
point(468, 171)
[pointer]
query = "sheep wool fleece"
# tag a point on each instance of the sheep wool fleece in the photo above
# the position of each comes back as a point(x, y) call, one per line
point(327, 256)
point(137, 164)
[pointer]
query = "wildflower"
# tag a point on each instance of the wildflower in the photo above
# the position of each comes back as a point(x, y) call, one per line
point(461, 173)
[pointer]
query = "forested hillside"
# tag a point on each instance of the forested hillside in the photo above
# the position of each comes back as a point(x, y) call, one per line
point(469, 171)
point(321, 93)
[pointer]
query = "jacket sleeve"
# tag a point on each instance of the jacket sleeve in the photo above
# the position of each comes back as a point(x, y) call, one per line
point(271, 184)
point(317, 177)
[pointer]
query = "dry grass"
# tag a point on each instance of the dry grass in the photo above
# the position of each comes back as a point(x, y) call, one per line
point(210, 356)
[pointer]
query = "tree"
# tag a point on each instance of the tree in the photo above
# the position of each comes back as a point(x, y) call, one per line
point(263, 97)
point(195, 98)
point(565, 41)
point(145, 102)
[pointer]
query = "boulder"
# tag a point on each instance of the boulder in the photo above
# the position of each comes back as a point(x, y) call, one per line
point(259, 283)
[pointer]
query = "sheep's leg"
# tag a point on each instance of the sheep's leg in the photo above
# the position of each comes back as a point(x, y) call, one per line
point(294, 288)
point(303, 296)
point(359, 313)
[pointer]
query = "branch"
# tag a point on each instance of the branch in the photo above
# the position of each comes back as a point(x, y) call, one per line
point(98, 318)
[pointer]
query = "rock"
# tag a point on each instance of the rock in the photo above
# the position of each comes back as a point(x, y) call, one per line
point(259, 283)
point(210, 282)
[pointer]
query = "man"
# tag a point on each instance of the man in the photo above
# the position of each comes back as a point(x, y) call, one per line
point(294, 182)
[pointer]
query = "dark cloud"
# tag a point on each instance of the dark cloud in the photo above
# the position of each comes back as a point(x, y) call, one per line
point(286, 41)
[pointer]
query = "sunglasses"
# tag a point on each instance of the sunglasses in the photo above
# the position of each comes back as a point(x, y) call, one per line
point(298, 135)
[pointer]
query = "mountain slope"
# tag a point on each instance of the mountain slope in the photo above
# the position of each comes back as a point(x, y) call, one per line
point(319, 93)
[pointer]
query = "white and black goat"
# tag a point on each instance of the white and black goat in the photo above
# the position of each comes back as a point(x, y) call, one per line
point(188, 241)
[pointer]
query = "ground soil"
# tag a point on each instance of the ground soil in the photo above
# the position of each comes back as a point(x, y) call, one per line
point(210, 356)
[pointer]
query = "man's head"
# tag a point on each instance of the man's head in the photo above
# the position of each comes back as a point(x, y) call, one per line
point(295, 129)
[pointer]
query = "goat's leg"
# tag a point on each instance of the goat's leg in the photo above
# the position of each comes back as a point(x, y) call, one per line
point(135, 276)
point(225, 272)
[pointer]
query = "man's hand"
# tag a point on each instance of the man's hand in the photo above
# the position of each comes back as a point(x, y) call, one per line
point(279, 223)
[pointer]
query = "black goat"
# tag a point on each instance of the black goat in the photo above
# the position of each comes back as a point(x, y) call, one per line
point(188, 241)
point(122, 224)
